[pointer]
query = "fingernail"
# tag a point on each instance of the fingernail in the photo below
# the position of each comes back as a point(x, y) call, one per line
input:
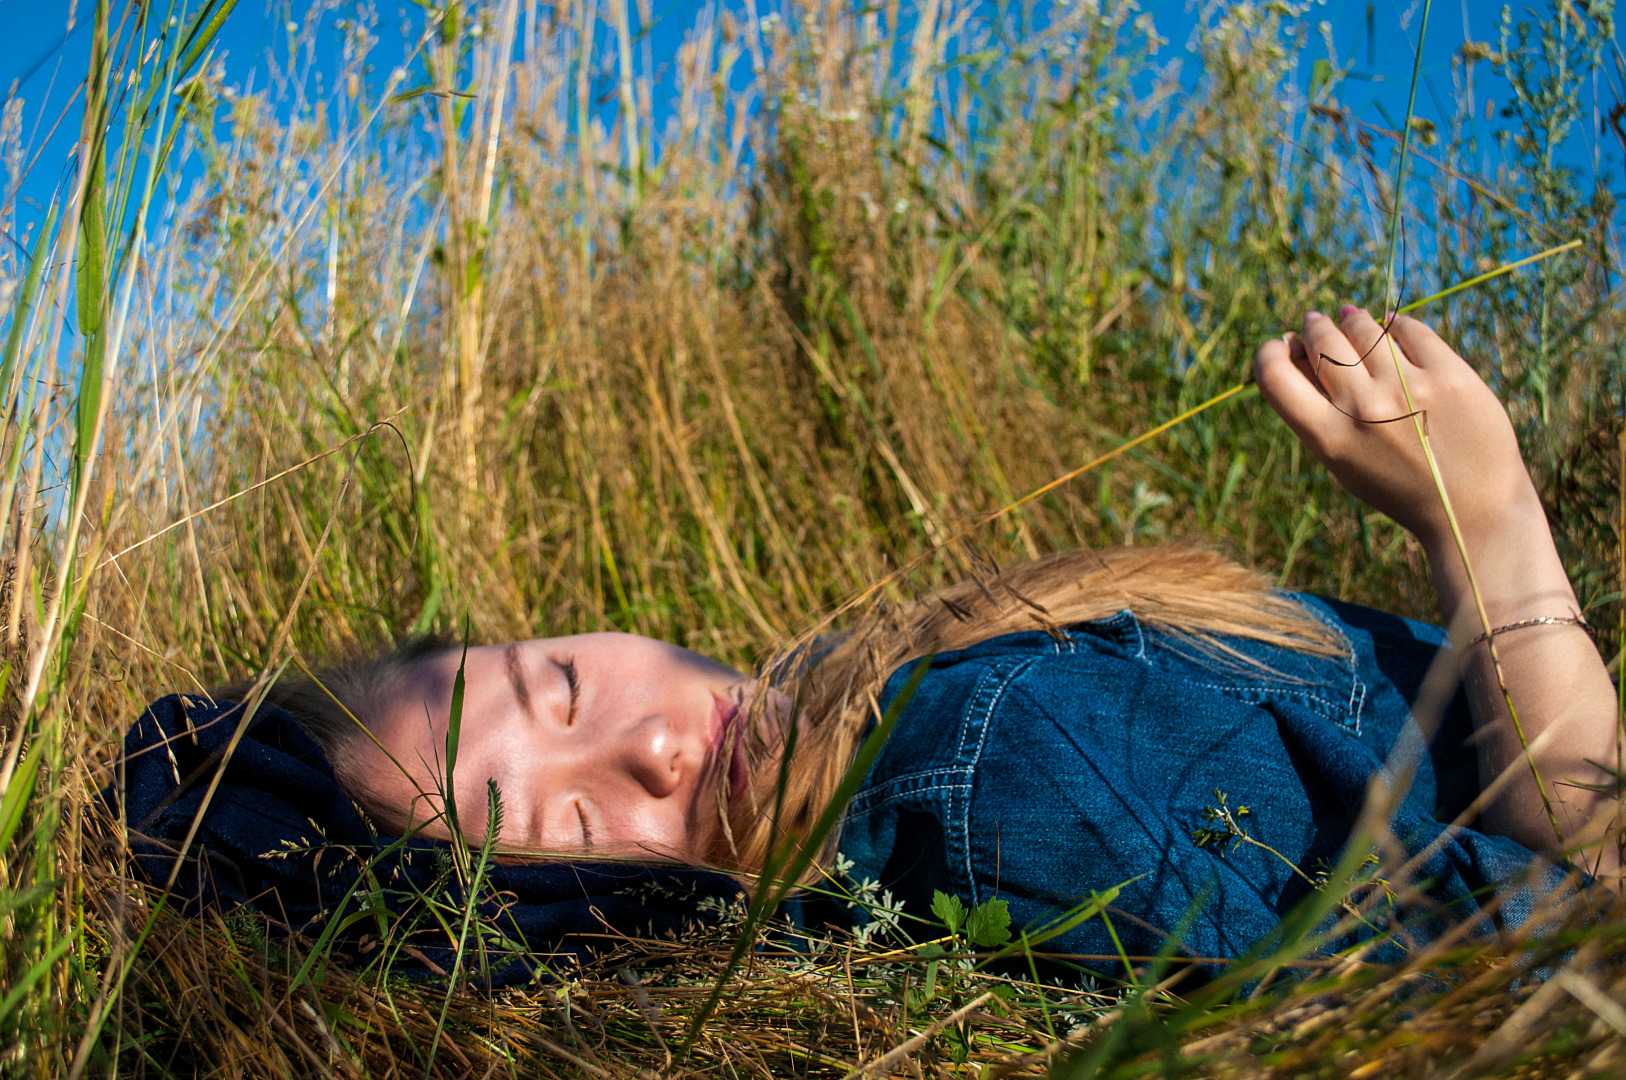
point(1347, 310)
point(1308, 315)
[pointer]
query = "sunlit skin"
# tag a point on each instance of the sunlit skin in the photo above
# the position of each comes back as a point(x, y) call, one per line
point(1330, 383)
point(619, 744)
point(599, 743)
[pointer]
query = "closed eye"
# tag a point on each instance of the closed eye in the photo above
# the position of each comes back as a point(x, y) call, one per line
point(587, 830)
point(568, 666)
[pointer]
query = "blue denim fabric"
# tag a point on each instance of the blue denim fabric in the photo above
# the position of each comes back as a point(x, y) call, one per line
point(1035, 771)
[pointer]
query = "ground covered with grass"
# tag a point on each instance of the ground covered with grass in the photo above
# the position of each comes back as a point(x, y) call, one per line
point(536, 335)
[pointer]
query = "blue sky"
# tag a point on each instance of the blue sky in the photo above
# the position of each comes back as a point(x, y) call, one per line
point(1375, 36)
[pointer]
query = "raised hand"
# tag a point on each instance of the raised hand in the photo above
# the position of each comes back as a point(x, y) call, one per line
point(1337, 387)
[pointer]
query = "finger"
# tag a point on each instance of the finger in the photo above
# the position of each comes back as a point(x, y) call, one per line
point(1423, 346)
point(1296, 399)
point(1333, 359)
point(1366, 335)
point(1360, 328)
point(1300, 358)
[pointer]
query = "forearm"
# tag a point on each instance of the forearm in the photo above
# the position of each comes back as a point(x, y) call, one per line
point(1553, 674)
point(1344, 411)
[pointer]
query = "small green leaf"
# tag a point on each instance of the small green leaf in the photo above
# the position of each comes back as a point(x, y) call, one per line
point(950, 909)
point(1320, 77)
point(989, 924)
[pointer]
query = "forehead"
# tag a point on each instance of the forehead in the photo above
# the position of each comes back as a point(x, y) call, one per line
point(607, 661)
point(507, 688)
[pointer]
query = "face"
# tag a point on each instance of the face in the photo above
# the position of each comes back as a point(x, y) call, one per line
point(599, 743)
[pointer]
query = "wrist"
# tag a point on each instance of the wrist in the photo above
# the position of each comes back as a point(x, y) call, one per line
point(1515, 566)
point(1488, 524)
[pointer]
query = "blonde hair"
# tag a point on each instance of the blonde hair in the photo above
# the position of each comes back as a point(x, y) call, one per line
point(1178, 589)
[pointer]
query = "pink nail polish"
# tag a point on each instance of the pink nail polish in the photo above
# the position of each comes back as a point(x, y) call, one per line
point(1347, 310)
point(1314, 315)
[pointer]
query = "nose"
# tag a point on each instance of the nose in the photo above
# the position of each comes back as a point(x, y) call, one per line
point(653, 754)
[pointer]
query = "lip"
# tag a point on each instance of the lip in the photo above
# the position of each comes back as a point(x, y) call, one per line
point(728, 720)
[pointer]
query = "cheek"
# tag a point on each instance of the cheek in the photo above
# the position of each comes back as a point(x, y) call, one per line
point(657, 827)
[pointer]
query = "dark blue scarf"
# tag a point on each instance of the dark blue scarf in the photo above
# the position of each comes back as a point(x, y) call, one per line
point(280, 837)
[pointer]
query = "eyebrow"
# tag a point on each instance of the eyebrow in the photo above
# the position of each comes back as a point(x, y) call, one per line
point(516, 678)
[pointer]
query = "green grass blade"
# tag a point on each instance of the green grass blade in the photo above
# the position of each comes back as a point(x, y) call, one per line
point(92, 281)
point(17, 795)
point(88, 407)
point(471, 904)
point(775, 884)
point(1068, 920)
point(201, 35)
point(91, 284)
point(337, 923)
point(23, 305)
point(36, 971)
point(454, 732)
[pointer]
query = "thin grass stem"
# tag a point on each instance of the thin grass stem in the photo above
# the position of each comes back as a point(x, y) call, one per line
point(1420, 424)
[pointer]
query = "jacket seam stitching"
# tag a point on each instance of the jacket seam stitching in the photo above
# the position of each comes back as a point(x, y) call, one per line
point(986, 698)
point(899, 796)
point(898, 787)
point(1357, 687)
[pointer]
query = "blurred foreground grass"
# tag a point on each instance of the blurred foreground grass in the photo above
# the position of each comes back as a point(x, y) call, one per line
point(476, 338)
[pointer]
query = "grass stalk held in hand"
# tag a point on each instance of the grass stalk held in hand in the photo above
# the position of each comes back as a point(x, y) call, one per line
point(1167, 425)
point(1420, 422)
point(990, 518)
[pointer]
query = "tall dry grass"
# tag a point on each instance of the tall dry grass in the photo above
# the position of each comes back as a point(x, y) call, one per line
point(499, 335)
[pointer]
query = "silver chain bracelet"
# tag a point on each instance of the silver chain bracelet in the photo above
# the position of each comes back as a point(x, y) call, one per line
point(1545, 620)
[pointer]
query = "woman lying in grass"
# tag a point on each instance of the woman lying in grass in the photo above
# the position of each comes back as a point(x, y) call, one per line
point(1158, 719)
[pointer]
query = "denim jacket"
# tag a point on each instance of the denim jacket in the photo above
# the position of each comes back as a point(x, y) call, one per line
point(1037, 770)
